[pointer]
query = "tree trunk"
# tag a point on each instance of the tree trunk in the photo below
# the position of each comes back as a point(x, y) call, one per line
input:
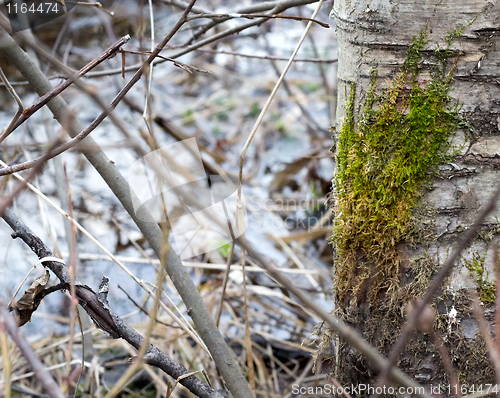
point(403, 197)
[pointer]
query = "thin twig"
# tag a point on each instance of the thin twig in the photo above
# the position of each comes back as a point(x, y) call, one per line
point(221, 353)
point(277, 7)
point(310, 121)
point(346, 332)
point(7, 201)
point(191, 264)
point(440, 345)
point(20, 107)
point(183, 4)
point(224, 283)
point(142, 309)
point(167, 126)
point(270, 99)
point(485, 332)
point(269, 57)
point(141, 153)
point(143, 351)
point(110, 52)
point(186, 327)
point(49, 155)
point(252, 16)
point(248, 338)
point(326, 86)
point(7, 365)
point(148, 112)
point(181, 65)
point(338, 385)
point(72, 275)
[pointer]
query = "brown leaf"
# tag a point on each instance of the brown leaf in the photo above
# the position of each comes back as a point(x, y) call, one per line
point(28, 304)
point(283, 177)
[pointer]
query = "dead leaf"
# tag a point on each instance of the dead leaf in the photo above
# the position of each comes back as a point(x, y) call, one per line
point(28, 304)
point(283, 177)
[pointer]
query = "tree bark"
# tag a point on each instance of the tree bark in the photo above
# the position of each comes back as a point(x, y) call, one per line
point(378, 34)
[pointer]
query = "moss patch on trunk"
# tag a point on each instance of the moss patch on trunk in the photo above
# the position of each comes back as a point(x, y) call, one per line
point(388, 150)
point(385, 156)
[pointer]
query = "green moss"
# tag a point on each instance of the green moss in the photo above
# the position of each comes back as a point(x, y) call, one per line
point(385, 156)
point(458, 32)
point(188, 117)
point(280, 126)
point(309, 87)
point(224, 250)
point(479, 275)
point(254, 110)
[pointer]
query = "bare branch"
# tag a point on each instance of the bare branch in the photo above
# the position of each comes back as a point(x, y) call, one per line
point(253, 16)
point(276, 6)
point(270, 57)
point(452, 376)
point(102, 315)
point(20, 107)
point(109, 53)
point(7, 201)
point(212, 337)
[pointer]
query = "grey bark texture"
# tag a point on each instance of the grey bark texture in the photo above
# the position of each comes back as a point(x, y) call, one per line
point(378, 34)
point(197, 309)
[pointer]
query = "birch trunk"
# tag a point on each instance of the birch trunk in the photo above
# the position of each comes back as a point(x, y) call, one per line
point(378, 33)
